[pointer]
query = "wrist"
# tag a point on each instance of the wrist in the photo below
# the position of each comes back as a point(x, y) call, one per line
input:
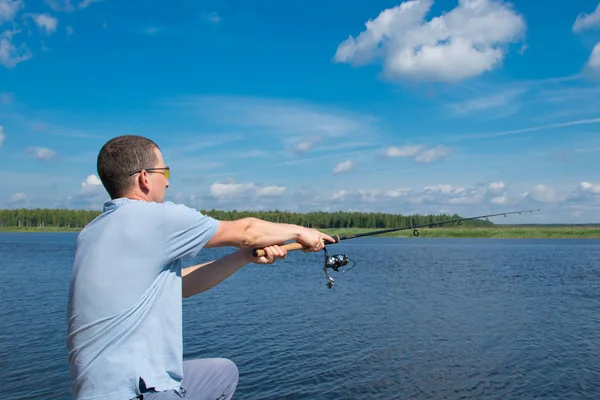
point(298, 232)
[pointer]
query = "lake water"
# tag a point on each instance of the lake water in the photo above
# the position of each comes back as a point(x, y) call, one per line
point(415, 319)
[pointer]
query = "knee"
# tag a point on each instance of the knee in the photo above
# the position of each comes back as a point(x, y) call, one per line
point(229, 369)
point(229, 377)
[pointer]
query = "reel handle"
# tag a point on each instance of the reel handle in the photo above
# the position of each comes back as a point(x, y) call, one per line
point(291, 247)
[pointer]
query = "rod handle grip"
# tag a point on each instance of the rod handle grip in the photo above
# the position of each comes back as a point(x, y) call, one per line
point(291, 247)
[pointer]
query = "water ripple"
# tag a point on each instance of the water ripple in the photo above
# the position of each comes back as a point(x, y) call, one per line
point(416, 319)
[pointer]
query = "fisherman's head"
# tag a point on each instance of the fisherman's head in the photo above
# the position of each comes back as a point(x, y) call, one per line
point(132, 166)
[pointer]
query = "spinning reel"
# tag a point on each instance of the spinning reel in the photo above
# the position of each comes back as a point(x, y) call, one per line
point(335, 262)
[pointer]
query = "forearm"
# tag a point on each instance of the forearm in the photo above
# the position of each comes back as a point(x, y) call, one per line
point(262, 233)
point(202, 277)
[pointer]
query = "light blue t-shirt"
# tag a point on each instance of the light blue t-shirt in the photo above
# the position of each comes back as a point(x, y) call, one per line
point(125, 300)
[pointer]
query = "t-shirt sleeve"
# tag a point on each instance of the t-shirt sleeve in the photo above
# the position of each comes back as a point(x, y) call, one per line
point(186, 230)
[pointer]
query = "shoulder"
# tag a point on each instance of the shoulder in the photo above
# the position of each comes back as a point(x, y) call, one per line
point(177, 214)
point(176, 209)
point(166, 214)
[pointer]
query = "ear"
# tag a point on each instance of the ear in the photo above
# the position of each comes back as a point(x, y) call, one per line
point(143, 182)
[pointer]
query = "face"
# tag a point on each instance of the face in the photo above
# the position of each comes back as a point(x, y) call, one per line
point(157, 181)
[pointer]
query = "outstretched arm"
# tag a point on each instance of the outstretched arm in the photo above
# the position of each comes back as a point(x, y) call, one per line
point(201, 277)
point(254, 232)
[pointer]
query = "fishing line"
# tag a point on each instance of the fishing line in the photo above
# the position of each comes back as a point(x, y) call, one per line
point(338, 261)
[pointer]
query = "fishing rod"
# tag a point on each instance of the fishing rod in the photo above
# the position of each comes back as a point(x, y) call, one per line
point(335, 262)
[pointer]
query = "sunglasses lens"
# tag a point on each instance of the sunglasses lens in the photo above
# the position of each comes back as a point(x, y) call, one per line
point(167, 173)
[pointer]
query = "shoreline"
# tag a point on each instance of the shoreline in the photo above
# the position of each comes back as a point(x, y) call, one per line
point(14, 229)
point(492, 232)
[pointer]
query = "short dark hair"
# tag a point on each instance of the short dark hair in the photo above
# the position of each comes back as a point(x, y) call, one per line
point(119, 157)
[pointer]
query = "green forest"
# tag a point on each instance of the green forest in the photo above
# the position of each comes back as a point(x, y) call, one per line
point(76, 219)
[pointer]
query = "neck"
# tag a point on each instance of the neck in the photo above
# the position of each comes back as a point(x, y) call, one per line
point(137, 196)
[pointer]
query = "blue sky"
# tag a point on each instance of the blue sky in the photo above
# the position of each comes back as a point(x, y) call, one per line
point(408, 107)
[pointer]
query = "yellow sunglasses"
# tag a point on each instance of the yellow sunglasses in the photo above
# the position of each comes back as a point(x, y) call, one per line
point(166, 171)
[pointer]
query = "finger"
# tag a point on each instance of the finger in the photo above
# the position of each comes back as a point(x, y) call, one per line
point(318, 246)
point(275, 250)
point(266, 256)
point(269, 254)
point(329, 238)
point(280, 252)
point(274, 253)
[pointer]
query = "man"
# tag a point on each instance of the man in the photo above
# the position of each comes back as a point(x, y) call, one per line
point(125, 300)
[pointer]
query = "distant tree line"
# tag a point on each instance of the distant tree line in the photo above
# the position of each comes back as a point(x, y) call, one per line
point(341, 219)
point(63, 218)
point(44, 217)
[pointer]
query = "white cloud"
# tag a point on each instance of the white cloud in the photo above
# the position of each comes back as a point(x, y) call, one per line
point(9, 9)
point(229, 189)
point(69, 30)
point(46, 23)
point(86, 3)
point(585, 191)
point(419, 153)
point(18, 197)
point(91, 185)
point(473, 195)
point(271, 191)
point(445, 189)
point(496, 187)
point(91, 194)
point(402, 192)
point(499, 200)
point(371, 195)
point(282, 118)
point(586, 121)
point(42, 153)
point(305, 191)
point(212, 17)
point(7, 98)
point(588, 187)
point(465, 42)
point(523, 48)
point(10, 55)
point(60, 5)
point(593, 63)
point(437, 153)
point(498, 100)
point(339, 195)
point(498, 191)
point(587, 21)
point(304, 145)
point(23, 200)
point(404, 151)
point(224, 190)
point(444, 194)
point(66, 6)
point(543, 194)
point(440, 196)
point(2, 136)
point(343, 167)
